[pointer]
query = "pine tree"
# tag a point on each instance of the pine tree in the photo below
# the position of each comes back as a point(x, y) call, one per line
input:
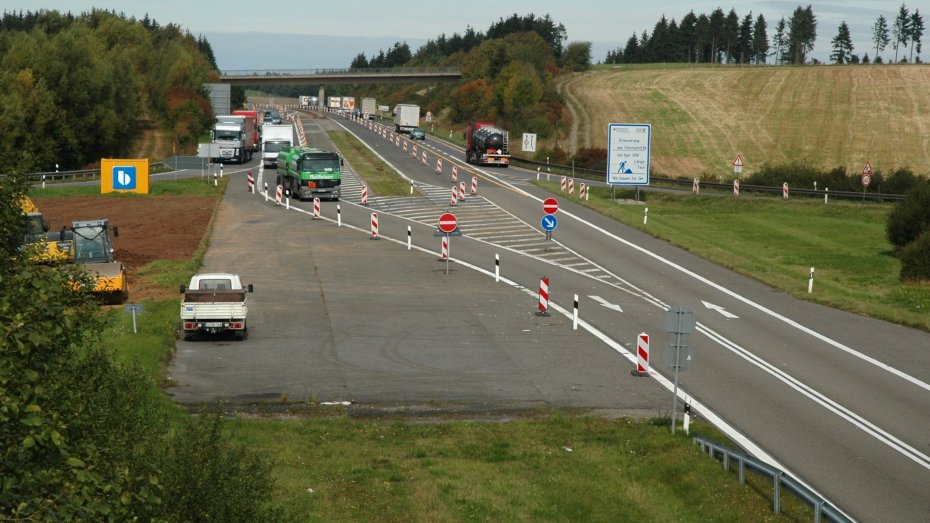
point(760, 41)
point(880, 37)
point(916, 32)
point(802, 33)
point(900, 30)
point(779, 41)
point(744, 40)
point(842, 45)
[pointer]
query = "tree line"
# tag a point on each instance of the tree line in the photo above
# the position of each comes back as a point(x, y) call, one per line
point(74, 87)
point(508, 73)
point(728, 38)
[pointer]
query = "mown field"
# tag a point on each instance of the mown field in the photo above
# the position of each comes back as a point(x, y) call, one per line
point(702, 116)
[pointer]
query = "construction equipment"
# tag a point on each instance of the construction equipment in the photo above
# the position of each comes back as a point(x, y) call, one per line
point(56, 247)
point(93, 248)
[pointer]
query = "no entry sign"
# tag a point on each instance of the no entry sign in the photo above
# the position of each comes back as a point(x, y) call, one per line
point(447, 222)
point(550, 205)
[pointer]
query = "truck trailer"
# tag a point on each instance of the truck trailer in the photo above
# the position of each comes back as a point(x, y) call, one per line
point(406, 118)
point(369, 107)
point(256, 130)
point(309, 172)
point(486, 144)
point(275, 137)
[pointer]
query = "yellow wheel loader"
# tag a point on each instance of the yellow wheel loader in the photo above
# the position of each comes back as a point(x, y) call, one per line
point(93, 248)
point(55, 247)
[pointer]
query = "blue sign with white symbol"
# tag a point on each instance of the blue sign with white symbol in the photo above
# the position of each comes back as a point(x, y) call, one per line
point(124, 177)
point(549, 222)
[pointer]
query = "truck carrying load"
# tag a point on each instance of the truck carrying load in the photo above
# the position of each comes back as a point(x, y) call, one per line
point(406, 118)
point(486, 144)
point(275, 137)
point(309, 172)
point(214, 303)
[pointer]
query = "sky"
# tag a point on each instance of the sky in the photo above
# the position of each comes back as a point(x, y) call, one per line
point(295, 34)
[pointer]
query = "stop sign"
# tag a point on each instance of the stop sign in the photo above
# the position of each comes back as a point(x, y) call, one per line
point(447, 222)
point(550, 205)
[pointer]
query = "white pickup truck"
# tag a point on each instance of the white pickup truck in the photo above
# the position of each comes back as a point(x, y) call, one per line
point(214, 303)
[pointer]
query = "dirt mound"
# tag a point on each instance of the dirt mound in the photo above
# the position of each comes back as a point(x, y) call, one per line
point(150, 228)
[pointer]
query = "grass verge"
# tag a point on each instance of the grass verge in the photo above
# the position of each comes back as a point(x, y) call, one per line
point(777, 242)
point(381, 179)
point(553, 468)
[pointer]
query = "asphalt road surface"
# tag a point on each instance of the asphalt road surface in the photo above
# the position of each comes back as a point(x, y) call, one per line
point(839, 401)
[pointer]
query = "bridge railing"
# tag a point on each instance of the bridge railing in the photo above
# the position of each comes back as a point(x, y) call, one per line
point(342, 71)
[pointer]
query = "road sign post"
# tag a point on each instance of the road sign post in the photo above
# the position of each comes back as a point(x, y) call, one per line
point(448, 223)
point(680, 322)
point(549, 222)
point(866, 178)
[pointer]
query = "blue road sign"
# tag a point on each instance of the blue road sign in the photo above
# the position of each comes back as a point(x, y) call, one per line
point(549, 222)
point(124, 177)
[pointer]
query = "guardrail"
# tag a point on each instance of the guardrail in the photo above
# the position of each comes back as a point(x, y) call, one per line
point(822, 508)
point(598, 177)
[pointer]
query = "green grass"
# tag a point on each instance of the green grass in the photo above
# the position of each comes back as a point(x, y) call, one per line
point(777, 242)
point(182, 187)
point(552, 468)
point(381, 179)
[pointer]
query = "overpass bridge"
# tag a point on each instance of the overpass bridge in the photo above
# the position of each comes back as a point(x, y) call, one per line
point(324, 77)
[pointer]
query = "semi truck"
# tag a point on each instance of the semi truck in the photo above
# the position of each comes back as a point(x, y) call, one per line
point(256, 130)
point(334, 102)
point(406, 118)
point(215, 303)
point(369, 107)
point(310, 172)
point(275, 137)
point(486, 144)
point(234, 136)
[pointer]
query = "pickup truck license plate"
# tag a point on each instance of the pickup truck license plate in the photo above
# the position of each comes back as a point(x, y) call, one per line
point(210, 324)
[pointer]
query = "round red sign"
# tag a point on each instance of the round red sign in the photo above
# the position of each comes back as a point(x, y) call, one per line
point(550, 205)
point(447, 222)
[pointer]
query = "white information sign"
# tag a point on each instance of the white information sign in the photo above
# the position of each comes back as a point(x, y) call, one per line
point(529, 142)
point(628, 151)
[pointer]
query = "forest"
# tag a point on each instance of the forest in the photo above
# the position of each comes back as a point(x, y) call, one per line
point(76, 88)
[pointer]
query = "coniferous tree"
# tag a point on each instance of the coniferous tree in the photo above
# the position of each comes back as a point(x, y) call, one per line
point(744, 40)
point(359, 62)
point(900, 30)
point(687, 36)
point(731, 36)
point(880, 37)
point(842, 45)
point(780, 41)
point(802, 33)
point(760, 41)
point(916, 27)
point(717, 34)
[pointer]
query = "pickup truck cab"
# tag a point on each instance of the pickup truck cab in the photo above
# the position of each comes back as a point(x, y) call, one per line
point(215, 303)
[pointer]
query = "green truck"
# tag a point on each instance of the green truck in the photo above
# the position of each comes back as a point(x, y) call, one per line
point(310, 172)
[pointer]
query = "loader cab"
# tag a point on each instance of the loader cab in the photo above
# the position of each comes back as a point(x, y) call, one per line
point(93, 241)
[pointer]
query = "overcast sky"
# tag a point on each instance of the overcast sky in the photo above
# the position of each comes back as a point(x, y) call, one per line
point(241, 32)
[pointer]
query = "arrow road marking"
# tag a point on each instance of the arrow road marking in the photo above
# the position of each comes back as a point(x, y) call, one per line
point(721, 310)
point(606, 303)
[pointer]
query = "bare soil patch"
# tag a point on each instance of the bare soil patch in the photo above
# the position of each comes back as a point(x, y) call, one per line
point(150, 228)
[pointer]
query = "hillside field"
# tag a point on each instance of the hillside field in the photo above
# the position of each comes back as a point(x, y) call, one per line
point(702, 116)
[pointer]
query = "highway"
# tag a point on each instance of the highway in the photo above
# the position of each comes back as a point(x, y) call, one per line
point(838, 400)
